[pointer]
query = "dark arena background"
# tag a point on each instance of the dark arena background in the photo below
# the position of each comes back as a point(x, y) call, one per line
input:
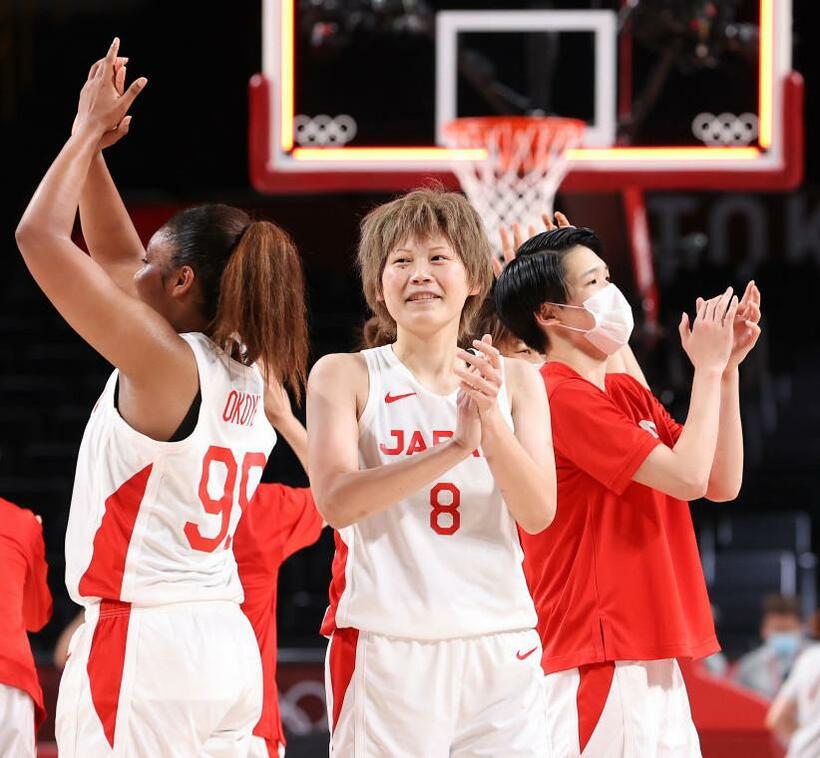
point(203, 131)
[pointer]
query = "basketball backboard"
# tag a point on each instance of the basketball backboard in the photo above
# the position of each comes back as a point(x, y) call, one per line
point(353, 94)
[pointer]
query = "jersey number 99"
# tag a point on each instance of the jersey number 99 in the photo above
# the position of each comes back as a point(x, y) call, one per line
point(223, 505)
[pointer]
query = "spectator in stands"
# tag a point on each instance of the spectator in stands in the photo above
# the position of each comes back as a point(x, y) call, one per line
point(795, 712)
point(765, 668)
point(25, 606)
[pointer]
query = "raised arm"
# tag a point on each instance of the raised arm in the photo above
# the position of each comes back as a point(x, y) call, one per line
point(521, 460)
point(107, 228)
point(345, 494)
point(109, 233)
point(280, 414)
point(127, 332)
point(726, 475)
point(684, 470)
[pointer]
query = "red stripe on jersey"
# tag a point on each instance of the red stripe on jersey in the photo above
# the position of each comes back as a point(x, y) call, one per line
point(337, 585)
point(593, 690)
point(106, 661)
point(342, 664)
point(103, 577)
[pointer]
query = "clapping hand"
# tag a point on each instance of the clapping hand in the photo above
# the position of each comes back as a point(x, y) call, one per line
point(746, 326)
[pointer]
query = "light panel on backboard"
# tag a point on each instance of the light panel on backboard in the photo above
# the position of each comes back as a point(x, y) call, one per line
point(278, 163)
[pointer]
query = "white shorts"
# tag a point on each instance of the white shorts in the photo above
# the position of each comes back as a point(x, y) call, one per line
point(160, 682)
point(16, 723)
point(626, 709)
point(462, 698)
point(259, 749)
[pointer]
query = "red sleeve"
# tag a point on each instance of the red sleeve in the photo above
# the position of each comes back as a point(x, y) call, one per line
point(300, 524)
point(596, 436)
point(307, 523)
point(36, 594)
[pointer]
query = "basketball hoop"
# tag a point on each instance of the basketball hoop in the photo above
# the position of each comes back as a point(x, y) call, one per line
point(524, 165)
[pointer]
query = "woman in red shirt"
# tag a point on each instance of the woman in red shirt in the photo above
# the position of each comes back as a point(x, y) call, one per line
point(617, 579)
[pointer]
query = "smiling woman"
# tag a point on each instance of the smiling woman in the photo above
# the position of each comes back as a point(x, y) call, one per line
point(426, 458)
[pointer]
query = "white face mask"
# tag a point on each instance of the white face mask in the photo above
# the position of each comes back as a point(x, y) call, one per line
point(613, 319)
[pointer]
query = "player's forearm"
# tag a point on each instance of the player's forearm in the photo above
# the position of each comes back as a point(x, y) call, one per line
point(347, 497)
point(295, 435)
point(52, 209)
point(528, 490)
point(107, 227)
point(726, 475)
point(695, 448)
point(782, 718)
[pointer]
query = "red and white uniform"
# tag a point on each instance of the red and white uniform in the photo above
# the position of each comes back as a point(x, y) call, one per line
point(165, 663)
point(279, 521)
point(25, 607)
point(617, 578)
point(433, 650)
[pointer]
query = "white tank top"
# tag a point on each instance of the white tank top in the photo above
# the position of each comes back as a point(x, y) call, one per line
point(152, 522)
point(445, 562)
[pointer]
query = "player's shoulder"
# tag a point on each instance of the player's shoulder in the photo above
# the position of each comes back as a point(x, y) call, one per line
point(340, 375)
point(561, 380)
point(338, 367)
point(517, 369)
point(521, 376)
point(628, 383)
point(16, 521)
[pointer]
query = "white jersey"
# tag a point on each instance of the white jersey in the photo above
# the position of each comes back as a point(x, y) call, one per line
point(803, 687)
point(445, 562)
point(152, 522)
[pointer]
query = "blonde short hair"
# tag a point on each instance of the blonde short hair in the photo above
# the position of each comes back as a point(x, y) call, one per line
point(421, 214)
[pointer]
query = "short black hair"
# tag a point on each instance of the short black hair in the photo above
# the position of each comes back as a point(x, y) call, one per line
point(536, 276)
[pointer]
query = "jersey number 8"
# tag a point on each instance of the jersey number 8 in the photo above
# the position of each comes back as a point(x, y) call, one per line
point(445, 518)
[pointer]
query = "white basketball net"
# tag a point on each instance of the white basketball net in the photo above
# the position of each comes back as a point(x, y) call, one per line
point(525, 165)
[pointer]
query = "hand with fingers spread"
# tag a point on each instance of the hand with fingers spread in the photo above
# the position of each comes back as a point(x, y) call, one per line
point(509, 244)
point(746, 326)
point(709, 341)
point(118, 82)
point(104, 101)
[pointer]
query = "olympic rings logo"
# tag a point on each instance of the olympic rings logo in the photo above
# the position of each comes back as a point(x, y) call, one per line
point(725, 128)
point(324, 130)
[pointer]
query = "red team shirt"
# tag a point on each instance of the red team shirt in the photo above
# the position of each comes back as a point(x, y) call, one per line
point(617, 576)
point(279, 521)
point(26, 600)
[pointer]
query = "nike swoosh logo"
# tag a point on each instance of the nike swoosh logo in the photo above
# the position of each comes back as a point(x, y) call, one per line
point(521, 656)
point(388, 398)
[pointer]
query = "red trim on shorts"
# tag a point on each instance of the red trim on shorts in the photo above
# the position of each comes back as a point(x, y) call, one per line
point(342, 664)
point(106, 661)
point(593, 690)
point(337, 585)
point(103, 577)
